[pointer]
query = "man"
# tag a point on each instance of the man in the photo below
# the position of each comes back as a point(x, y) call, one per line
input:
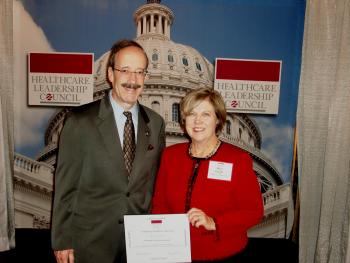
point(101, 175)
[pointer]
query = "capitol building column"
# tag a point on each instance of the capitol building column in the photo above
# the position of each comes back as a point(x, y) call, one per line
point(139, 28)
point(166, 28)
point(166, 107)
point(159, 31)
point(144, 25)
point(146, 100)
point(152, 23)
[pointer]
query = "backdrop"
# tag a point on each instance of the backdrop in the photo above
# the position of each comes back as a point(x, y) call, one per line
point(253, 29)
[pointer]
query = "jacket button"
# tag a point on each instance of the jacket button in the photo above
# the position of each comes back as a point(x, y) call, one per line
point(127, 194)
point(120, 221)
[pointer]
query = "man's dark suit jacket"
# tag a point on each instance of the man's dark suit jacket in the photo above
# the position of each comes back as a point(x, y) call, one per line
point(92, 190)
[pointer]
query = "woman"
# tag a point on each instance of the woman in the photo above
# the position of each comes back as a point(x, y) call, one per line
point(212, 181)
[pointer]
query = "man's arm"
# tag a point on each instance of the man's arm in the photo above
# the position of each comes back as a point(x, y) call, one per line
point(66, 182)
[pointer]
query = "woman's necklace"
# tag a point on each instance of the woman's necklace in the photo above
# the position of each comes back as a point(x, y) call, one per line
point(210, 154)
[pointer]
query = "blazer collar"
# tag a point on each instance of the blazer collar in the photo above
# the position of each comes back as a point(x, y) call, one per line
point(109, 133)
point(107, 128)
point(106, 110)
point(143, 138)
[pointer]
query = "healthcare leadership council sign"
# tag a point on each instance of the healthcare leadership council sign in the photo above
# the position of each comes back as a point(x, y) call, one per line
point(60, 79)
point(249, 86)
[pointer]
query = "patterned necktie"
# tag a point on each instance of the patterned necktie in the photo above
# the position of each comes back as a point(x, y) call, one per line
point(129, 142)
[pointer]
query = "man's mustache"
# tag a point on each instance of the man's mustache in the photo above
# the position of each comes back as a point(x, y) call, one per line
point(131, 85)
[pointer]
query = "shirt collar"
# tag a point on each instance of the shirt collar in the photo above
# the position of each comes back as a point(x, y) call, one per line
point(118, 109)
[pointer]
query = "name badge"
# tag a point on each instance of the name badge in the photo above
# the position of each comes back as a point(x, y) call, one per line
point(220, 170)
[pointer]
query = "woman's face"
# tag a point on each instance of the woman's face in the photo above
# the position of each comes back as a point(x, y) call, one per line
point(201, 122)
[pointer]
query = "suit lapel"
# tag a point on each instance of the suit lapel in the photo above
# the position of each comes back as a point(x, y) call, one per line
point(143, 135)
point(109, 133)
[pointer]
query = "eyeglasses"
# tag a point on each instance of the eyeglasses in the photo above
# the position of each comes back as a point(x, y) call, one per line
point(138, 73)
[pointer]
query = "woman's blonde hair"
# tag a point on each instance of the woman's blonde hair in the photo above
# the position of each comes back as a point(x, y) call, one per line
point(194, 97)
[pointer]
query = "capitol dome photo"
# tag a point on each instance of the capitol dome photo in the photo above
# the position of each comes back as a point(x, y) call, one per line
point(174, 69)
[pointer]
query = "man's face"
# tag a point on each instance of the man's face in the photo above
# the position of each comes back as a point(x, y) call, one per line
point(127, 77)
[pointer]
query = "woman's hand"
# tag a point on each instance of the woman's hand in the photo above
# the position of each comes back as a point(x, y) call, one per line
point(198, 218)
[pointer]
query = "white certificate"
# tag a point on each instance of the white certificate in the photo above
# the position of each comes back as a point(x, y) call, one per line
point(157, 238)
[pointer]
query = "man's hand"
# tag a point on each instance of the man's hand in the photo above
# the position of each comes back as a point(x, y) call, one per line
point(64, 256)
